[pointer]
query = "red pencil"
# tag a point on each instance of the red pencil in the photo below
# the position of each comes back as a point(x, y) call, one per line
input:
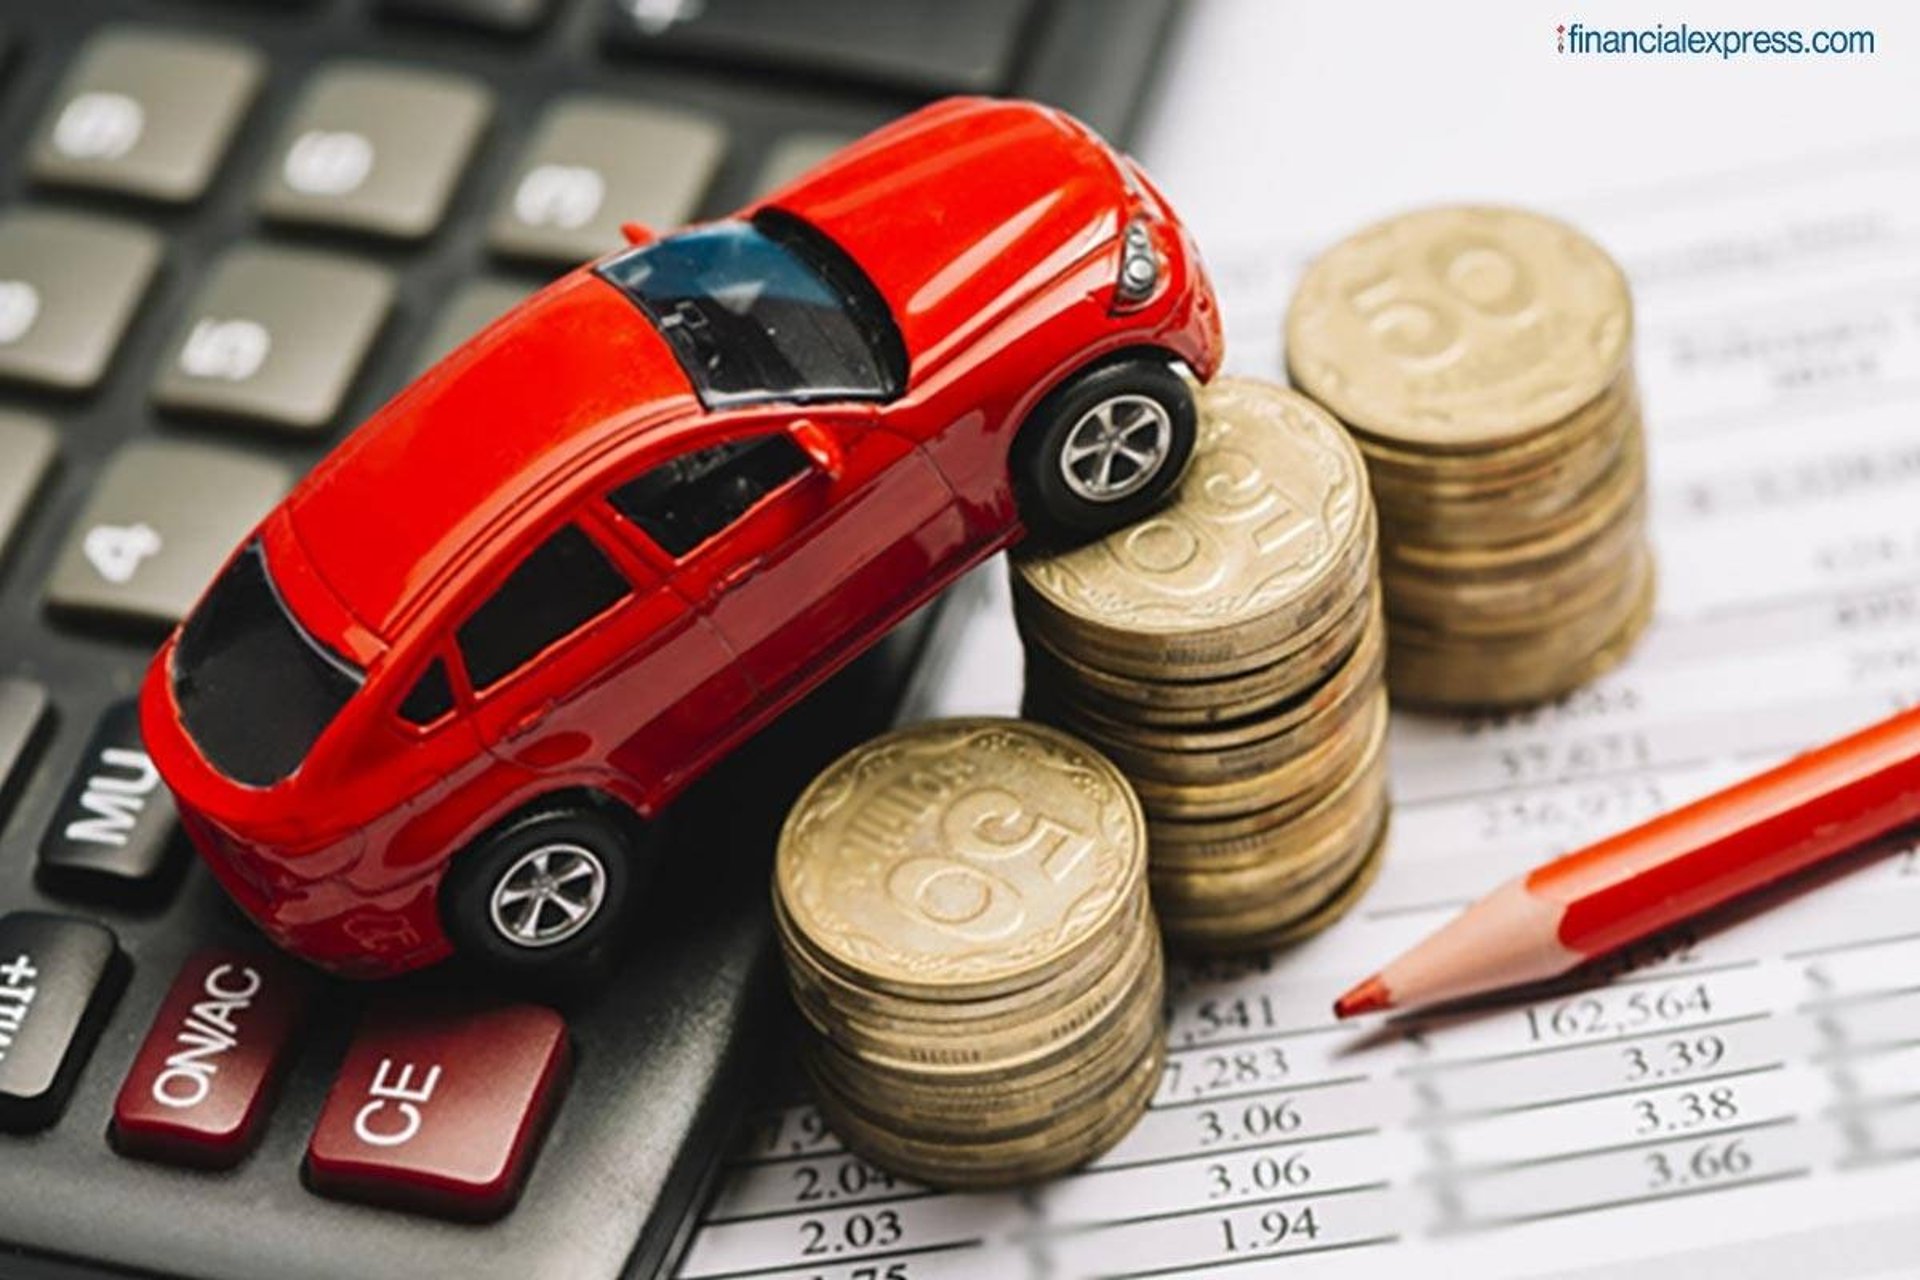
point(1813, 807)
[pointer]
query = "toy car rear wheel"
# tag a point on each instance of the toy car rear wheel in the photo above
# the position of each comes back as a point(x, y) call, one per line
point(544, 892)
point(1104, 449)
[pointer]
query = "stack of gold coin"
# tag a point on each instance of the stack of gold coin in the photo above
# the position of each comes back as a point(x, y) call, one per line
point(1226, 653)
point(964, 913)
point(1482, 358)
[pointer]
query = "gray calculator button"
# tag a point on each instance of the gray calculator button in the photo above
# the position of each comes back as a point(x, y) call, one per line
point(793, 155)
point(162, 519)
point(375, 149)
point(477, 304)
point(69, 283)
point(146, 113)
point(596, 163)
point(275, 336)
point(26, 455)
point(23, 717)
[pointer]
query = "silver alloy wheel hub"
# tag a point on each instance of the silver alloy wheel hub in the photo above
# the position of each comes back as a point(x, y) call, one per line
point(549, 894)
point(1116, 448)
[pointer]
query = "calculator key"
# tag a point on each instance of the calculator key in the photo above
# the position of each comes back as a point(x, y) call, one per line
point(596, 163)
point(375, 149)
point(23, 719)
point(478, 304)
point(930, 46)
point(115, 834)
point(200, 1088)
point(493, 15)
point(793, 155)
point(440, 1110)
point(59, 978)
point(69, 283)
point(146, 112)
point(26, 455)
point(162, 519)
point(276, 336)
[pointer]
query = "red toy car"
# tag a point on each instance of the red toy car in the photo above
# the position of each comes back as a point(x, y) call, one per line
point(427, 705)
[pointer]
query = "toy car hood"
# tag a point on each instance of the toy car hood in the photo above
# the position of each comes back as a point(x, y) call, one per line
point(1007, 190)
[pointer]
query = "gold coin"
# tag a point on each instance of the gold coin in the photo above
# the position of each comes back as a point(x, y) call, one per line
point(1279, 690)
point(1459, 328)
point(961, 859)
point(1238, 842)
point(1208, 757)
point(1233, 670)
point(1504, 511)
point(1601, 508)
point(1291, 872)
point(1082, 1133)
point(1004, 1046)
point(1296, 784)
point(1442, 672)
point(1507, 460)
point(1267, 524)
point(819, 990)
point(1558, 599)
point(1231, 936)
point(1353, 670)
point(1005, 1101)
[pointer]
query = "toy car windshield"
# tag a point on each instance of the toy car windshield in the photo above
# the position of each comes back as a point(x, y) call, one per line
point(255, 690)
point(765, 310)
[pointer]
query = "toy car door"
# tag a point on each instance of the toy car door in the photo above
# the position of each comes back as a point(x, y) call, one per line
point(801, 538)
point(582, 653)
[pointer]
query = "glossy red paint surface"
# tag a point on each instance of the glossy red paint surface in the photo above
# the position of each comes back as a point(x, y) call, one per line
point(991, 229)
point(440, 1110)
point(203, 1081)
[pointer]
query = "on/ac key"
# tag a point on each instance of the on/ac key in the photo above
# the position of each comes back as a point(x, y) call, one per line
point(199, 1090)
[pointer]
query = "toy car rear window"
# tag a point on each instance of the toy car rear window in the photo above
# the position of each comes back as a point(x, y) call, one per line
point(255, 690)
point(765, 310)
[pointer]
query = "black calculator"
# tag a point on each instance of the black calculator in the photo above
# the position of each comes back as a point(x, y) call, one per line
point(197, 300)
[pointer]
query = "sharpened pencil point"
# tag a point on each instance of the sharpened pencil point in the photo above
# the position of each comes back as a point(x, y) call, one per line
point(1368, 997)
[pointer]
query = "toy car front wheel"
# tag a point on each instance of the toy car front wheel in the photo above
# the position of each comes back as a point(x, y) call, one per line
point(1104, 450)
point(544, 892)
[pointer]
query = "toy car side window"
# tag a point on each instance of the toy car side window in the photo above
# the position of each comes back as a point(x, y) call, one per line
point(431, 696)
point(564, 583)
point(682, 503)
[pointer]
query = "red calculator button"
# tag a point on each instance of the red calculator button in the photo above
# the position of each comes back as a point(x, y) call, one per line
point(203, 1081)
point(439, 1109)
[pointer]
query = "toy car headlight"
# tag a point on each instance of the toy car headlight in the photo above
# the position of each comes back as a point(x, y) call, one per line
point(1139, 266)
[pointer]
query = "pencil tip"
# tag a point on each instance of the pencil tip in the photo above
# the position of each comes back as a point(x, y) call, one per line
point(1368, 997)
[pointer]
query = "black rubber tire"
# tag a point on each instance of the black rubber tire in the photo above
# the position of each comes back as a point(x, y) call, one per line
point(1052, 510)
point(467, 892)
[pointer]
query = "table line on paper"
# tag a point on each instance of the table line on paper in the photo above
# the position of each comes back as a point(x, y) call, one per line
point(1306, 1086)
point(1225, 1149)
point(1267, 1256)
point(848, 1202)
point(1652, 1197)
point(1537, 1051)
point(1440, 1118)
point(949, 1246)
point(1455, 1172)
point(1231, 1206)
